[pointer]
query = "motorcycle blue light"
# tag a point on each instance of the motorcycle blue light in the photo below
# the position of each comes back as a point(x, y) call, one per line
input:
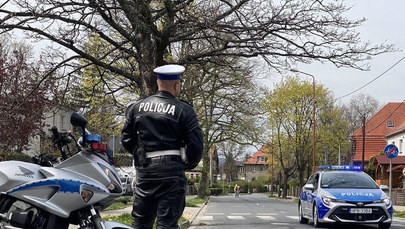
point(93, 138)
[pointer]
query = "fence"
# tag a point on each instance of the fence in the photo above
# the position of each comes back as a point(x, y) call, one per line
point(398, 196)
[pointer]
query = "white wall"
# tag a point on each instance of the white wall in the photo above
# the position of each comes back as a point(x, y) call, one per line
point(59, 117)
point(399, 141)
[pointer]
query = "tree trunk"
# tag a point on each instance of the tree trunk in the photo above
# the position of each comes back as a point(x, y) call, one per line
point(201, 193)
point(285, 185)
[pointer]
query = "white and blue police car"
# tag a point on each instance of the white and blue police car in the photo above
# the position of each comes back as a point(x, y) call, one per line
point(344, 194)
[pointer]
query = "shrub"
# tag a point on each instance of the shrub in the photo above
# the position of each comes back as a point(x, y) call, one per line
point(124, 199)
point(215, 191)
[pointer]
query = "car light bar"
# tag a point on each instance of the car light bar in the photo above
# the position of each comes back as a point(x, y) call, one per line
point(341, 167)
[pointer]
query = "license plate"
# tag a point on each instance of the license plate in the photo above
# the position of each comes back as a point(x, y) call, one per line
point(361, 210)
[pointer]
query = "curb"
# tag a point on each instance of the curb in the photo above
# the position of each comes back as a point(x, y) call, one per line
point(188, 223)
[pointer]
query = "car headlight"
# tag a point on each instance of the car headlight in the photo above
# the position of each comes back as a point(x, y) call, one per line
point(386, 201)
point(328, 200)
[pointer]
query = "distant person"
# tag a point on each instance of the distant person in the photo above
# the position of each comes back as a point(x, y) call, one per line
point(165, 137)
point(236, 189)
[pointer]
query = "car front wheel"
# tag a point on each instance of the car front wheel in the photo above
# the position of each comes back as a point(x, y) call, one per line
point(315, 217)
point(301, 215)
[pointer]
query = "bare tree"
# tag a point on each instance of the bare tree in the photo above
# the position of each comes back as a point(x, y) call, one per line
point(232, 153)
point(227, 103)
point(142, 34)
point(359, 107)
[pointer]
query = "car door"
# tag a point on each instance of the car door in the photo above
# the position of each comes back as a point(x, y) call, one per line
point(306, 196)
point(313, 193)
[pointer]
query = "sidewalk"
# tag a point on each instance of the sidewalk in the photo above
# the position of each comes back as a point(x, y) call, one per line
point(189, 213)
point(399, 208)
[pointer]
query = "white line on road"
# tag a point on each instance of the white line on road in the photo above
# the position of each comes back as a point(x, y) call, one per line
point(236, 217)
point(214, 213)
point(281, 224)
point(265, 213)
point(293, 217)
point(205, 218)
point(245, 213)
point(266, 217)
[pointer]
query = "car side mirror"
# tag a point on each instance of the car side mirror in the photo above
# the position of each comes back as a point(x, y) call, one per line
point(384, 187)
point(309, 187)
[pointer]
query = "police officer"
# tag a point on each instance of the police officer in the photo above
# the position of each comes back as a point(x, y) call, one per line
point(168, 131)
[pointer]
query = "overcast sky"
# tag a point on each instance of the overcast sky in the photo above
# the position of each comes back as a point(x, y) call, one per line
point(385, 23)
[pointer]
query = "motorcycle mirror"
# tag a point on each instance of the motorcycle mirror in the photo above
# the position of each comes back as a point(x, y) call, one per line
point(78, 120)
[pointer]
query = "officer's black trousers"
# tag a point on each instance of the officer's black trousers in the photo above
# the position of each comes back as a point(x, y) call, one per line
point(163, 198)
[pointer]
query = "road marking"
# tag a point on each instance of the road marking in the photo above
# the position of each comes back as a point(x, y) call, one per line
point(214, 213)
point(265, 213)
point(293, 217)
point(205, 218)
point(236, 217)
point(266, 217)
point(245, 213)
point(281, 224)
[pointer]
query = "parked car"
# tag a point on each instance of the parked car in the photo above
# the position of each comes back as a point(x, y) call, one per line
point(344, 194)
point(126, 183)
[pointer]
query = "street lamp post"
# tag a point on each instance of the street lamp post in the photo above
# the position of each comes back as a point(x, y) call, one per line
point(313, 116)
point(313, 124)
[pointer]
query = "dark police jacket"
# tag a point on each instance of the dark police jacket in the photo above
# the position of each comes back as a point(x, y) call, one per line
point(164, 123)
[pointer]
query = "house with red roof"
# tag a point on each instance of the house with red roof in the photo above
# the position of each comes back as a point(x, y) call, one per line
point(256, 165)
point(382, 129)
point(383, 123)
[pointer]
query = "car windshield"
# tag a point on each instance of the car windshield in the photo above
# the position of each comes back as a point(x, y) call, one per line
point(347, 180)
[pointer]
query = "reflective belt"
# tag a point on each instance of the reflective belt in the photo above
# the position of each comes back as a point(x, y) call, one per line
point(163, 153)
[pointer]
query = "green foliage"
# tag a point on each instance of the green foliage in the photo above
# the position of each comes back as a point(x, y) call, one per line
point(215, 191)
point(124, 199)
point(290, 114)
point(124, 218)
point(116, 206)
point(127, 219)
point(399, 214)
point(8, 156)
point(195, 202)
point(293, 183)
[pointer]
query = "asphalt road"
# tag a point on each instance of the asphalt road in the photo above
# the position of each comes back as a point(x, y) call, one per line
point(258, 211)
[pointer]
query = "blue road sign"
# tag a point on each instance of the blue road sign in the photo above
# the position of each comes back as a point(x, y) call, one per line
point(391, 151)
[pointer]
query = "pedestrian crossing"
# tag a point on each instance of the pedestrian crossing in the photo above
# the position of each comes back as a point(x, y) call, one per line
point(273, 218)
point(243, 216)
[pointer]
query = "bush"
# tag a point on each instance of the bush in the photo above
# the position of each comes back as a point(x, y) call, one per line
point(8, 156)
point(215, 191)
point(124, 199)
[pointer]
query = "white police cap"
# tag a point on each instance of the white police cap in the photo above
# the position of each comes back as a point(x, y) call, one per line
point(169, 72)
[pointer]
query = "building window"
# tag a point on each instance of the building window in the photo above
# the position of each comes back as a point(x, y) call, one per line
point(390, 123)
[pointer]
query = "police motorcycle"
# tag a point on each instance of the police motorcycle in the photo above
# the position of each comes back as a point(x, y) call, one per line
point(72, 191)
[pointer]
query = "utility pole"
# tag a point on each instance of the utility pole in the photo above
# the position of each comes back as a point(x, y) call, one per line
point(363, 133)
